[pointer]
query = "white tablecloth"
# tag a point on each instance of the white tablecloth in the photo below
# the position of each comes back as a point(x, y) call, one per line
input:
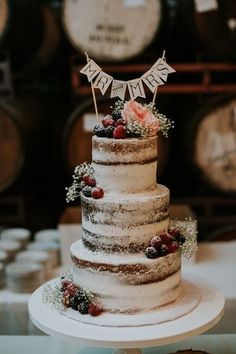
point(215, 261)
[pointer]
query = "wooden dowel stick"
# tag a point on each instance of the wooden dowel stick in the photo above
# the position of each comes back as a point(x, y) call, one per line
point(93, 93)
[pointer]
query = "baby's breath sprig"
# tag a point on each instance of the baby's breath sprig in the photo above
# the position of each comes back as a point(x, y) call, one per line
point(188, 229)
point(119, 105)
point(165, 123)
point(73, 192)
point(53, 296)
point(135, 129)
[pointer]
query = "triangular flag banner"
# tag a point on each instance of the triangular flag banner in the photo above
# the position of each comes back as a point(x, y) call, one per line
point(162, 69)
point(136, 88)
point(91, 69)
point(152, 80)
point(118, 89)
point(103, 81)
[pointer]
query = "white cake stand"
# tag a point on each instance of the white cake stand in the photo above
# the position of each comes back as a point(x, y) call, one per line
point(203, 317)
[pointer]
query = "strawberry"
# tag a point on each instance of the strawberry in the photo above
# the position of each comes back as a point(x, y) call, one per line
point(89, 180)
point(97, 193)
point(167, 238)
point(94, 309)
point(120, 122)
point(156, 242)
point(107, 121)
point(119, 132)
point(172, 247)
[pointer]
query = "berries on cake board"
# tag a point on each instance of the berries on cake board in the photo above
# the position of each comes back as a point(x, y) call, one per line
point(94, 309)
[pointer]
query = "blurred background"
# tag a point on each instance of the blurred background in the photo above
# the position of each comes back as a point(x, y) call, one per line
point(47, 116)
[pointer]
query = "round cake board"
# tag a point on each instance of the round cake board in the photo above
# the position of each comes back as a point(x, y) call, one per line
point(205, 315)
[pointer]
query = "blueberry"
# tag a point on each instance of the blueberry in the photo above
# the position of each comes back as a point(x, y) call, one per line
point(100, 131)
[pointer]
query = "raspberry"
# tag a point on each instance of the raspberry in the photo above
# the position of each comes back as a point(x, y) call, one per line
point(107, 121)
point(172, 247)
point(66, 294)
point(109, 131)
point(100, 131)
point(120, 122)
point(83, 308)
point(82, 297)
point(65, 283)
point(163, 250)
point(94, 309)
point(151, 252)
point(175, 233)
point(87, 190)
point(116, 115)
point(167, 238)
point(119, 132)
point(156, 242)
point(97, 193)
point(72, 289)
point(89, 180)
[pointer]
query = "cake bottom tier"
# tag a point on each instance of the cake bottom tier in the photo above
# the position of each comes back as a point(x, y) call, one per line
point(127, 283)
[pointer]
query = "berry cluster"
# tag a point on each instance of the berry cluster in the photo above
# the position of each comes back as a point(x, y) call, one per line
point(113, 126)
point(78, 299)
point(89, 188)
point(167, 242)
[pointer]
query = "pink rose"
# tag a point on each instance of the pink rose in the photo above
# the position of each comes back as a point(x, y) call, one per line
point(135, 111)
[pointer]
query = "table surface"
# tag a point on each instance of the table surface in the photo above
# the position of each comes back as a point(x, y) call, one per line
point(213, 344)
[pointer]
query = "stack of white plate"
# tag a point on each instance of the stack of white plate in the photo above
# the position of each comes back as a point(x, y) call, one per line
point(52, 248)
point(20, 235)
point(47, 235)
point(11, 248)
point(2, 276)
point(40, 257)
point(3, 257)
point(24, 277)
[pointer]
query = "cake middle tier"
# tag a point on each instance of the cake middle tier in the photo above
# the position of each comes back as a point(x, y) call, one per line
point(125, 223)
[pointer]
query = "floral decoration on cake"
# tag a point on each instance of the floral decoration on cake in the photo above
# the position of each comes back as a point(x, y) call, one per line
point(83, 182)
point(66, 294)
point(179, 237)
point(131, 119)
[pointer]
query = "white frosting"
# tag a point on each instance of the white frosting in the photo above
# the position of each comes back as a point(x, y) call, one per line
point(126, 178)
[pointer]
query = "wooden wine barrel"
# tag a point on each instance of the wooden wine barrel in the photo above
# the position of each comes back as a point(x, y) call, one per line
point(212, 143)
point(112, 31)
point(4, 16)
point(31, 32)
point(211, 25)
point(24, 136)
point(79, 131)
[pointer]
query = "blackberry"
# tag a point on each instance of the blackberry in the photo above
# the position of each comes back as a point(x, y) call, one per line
point(82, 297)
point(151, 252)
point(87, 191)
point(116, 115)
point(83, 308)
point(100, 131)
point(181, 240)
point(109, 131)
point(74, 303)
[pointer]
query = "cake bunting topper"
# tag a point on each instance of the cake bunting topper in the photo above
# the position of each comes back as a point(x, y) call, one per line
point(157, 75)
